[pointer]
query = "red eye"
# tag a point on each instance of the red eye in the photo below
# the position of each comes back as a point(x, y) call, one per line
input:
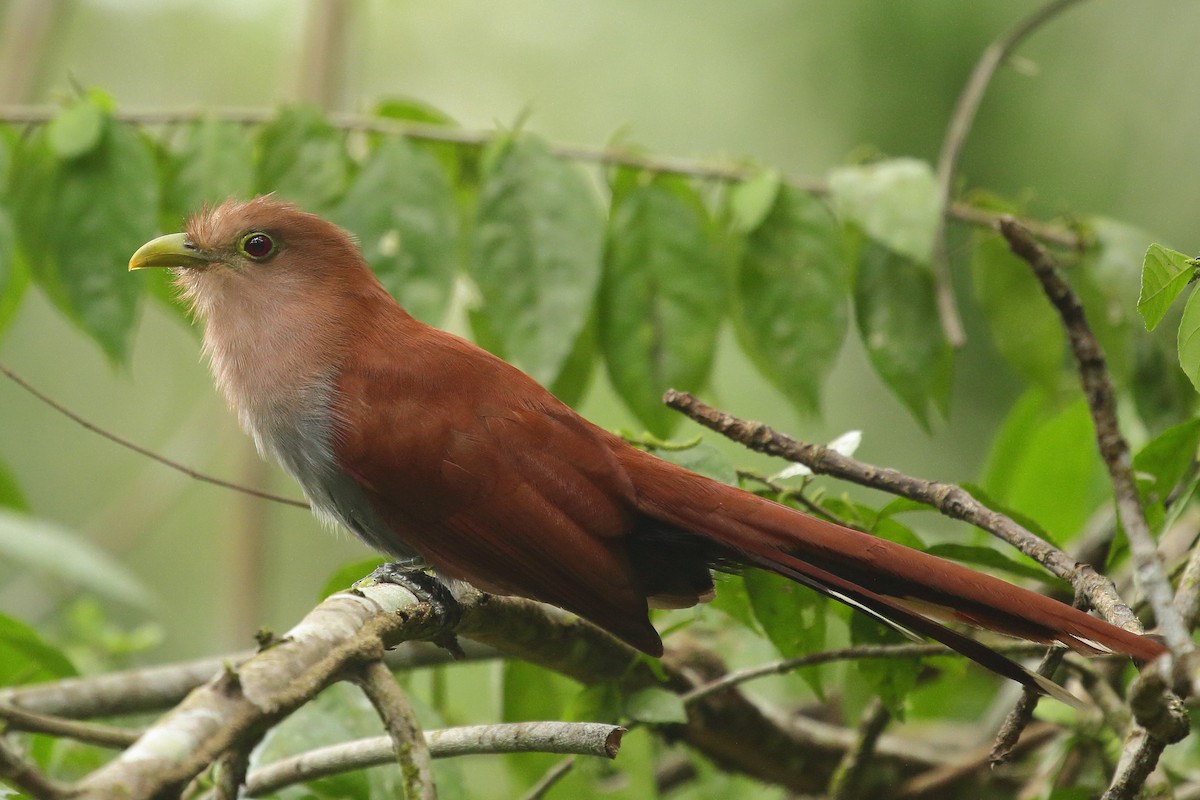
point(258, 245)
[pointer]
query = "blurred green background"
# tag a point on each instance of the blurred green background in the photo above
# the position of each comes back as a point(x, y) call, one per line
point(1097, 115)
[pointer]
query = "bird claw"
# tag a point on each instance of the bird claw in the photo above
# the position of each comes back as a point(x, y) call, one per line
point(431, 591)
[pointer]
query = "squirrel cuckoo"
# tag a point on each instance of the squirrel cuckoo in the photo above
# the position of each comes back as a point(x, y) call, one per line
point(437, 453)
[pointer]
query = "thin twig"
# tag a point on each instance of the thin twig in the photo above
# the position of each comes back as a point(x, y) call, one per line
point(1050, 233)
point(1114, 449)
point(577, 738)
point(408, 743)
point(965, 109)
point(128, 445)
point(1138, 759)
point(552, 777)
point(857, 653)
point(847, 778)
point(100, 735)
point(1022, 714)
point(951, 500)
point(1187, 598)
point(231, 771)
point(23, 774)
point(935, 782)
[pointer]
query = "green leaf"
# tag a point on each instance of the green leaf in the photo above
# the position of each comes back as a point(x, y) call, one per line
point(701, 458)
point(349, 574)
point(11, 284)
point(76, 130)
point(215, 161)
point(1165, 274)
point(733, 600)
point(46, 549)
point(1044, 463)
point(1107, 282)
point(26, 658)
point(302, 159)
point(655, 706)
point(790, 302)
point(1188, 341)
point(890, 679)
point(792, 615)
point(661, 298)
point(409, 110)
point(894, 202)
point(898, 321)
point(987, 557)
point(577, 371)
point(80, 220)
point(1162, 392)
point(531, 693)
point(600, 702)
point(1167, 457)
point(401, 208)
point(448, 154)
point(1025, 329)
point(752, 199)
point(536, 251)
point(10, 491)
point(1027, 522)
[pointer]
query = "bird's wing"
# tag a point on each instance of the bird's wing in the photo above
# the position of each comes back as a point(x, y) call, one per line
point(476, 467)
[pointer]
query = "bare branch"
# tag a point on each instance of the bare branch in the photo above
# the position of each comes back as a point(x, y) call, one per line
point(956, 135)
point(342, 632)
point(577, 738)
point(408, 743)
point(160, 687)
point(1114, 450)
point(951, 500)
point(1022, 714)
point(934, 783)
point(847, 778)
point(21, 773)
point(607, 156)
point(100, 735)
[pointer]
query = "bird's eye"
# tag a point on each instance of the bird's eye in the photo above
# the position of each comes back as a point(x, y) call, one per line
point(257, 246)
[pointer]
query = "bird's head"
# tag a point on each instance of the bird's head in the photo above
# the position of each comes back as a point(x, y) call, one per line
point(262, 249)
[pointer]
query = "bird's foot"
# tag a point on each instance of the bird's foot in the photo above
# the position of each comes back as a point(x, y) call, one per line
point(431, 591)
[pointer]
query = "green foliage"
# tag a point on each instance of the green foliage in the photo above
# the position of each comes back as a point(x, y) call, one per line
point(898, 321)
point(1025, 328)
point(790, 299)
point(792, 616)
point(536, 254)
point(302, 158)
point(347, 575)
point(1165, 274)
point(889, 679)
point(1162, 463)
point(556, 281)
point(47, 550)
point(401, 208)
point(661, 297)
point(10, 491)
point(78, 221)
point(213, 161)
point(26, 658)
point(894, 202)
point(1044, 462)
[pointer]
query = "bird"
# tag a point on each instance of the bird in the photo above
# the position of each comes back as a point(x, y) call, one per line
point(443, 456)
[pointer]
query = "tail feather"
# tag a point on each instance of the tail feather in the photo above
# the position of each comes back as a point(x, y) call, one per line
point(912, 589)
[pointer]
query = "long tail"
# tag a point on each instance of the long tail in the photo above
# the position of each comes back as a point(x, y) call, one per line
point(913, 590)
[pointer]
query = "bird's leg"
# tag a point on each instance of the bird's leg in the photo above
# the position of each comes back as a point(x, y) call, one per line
point(427, 589)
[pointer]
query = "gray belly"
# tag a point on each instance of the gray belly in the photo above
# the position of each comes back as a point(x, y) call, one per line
point(306, 452)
